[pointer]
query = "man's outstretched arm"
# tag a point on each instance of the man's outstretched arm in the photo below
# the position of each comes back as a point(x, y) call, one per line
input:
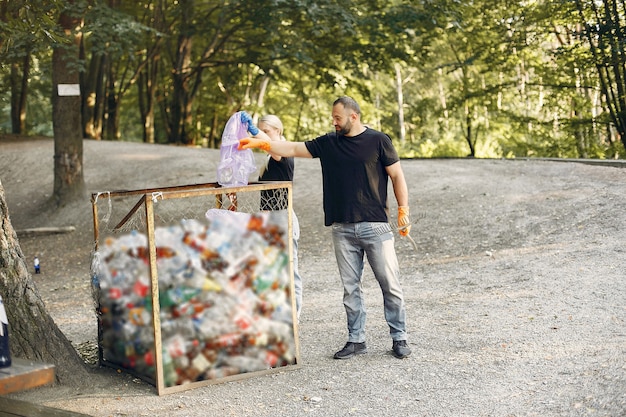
point(281, 148)
point(261, 140)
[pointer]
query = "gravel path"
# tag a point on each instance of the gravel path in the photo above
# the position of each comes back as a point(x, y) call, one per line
point(515, 300)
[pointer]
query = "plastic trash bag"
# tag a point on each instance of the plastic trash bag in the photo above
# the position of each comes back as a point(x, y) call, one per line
point(235, 166)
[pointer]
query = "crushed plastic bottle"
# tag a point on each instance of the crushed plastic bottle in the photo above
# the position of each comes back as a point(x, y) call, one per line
point(223, 295)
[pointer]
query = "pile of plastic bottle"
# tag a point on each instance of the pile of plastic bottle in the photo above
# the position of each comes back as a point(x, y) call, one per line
point(224, 296)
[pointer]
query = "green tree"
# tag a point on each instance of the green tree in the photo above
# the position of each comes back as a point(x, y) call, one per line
point(26, 31)
point(484, 78)
point(604, 26)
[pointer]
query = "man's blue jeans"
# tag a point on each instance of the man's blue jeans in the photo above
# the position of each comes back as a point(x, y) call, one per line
point(352, 241)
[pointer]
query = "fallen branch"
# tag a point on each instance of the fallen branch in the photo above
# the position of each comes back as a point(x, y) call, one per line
point(38, 231)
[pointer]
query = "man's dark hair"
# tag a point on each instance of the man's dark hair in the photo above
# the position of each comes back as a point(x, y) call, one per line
point(348, 103)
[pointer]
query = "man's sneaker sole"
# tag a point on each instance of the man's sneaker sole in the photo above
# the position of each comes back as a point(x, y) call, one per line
point(400, 356)
point(360, 352)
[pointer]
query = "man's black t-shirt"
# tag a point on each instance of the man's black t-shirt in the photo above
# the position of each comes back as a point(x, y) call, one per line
point(354, 176)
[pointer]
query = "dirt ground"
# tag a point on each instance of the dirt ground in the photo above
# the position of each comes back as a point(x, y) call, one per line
point(516, 296)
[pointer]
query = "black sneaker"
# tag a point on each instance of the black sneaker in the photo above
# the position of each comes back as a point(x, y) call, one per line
point(400, 349)
point(351, 349)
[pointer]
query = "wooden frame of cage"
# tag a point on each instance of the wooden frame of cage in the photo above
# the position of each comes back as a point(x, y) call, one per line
point(147, 197)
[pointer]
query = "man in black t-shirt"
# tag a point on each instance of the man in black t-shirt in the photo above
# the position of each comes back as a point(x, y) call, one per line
point(357, 163)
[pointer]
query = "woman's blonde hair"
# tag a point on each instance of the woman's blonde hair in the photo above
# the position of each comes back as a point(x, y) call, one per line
point(275, 122)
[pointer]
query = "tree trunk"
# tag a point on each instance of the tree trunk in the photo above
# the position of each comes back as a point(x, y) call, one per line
point(214, 138)
point(92, 96)
point(146, 87)
point(400, 97)
point(442, 99)
point(148, 80)
point(468, 130)
point(32, 332)
point(265, 81)
point(181, 95)
point(111, 116)
point(19, 95)
point(69, 182)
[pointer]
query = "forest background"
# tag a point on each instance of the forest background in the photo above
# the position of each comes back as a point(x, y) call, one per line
point(443, 78)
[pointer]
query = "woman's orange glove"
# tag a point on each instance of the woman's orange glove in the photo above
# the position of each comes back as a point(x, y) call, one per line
point(404, 223)
point(249, 143)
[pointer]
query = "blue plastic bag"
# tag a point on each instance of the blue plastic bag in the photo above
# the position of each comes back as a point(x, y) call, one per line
point(235, 166)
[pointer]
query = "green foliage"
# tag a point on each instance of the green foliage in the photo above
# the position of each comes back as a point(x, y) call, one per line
point(486, 78)
point(27, 22)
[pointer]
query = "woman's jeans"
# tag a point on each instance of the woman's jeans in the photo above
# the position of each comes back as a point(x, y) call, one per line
point(352, 241)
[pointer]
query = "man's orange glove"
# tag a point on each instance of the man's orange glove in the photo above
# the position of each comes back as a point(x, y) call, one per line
point(249, 143)
point(404, 223)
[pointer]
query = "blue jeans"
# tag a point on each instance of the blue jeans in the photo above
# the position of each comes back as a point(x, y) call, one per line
point(352, 241)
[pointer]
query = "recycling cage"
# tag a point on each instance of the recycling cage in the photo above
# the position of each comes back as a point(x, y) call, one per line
point(137, 320)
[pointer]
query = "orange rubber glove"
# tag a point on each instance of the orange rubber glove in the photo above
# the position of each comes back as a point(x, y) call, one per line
point(404, 223)
point(249, 143)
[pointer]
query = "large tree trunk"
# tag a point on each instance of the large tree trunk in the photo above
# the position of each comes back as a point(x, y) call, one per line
point(181, 102)
point(32, 332)
point(69, 182)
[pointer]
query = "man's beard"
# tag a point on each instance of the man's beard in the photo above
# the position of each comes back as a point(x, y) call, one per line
point(345, 129)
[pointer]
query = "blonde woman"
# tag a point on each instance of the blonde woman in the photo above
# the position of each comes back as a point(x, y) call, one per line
point(279, 168)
